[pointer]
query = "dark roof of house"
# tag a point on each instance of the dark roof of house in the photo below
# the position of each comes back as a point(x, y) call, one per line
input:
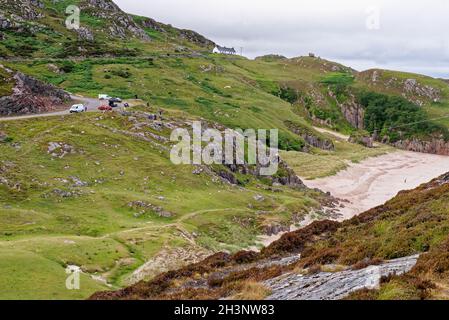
point(224, 49)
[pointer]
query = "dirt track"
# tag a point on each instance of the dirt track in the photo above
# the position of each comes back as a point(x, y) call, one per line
point(91, 104)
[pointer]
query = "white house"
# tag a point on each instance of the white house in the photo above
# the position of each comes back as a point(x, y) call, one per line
point(224, 50)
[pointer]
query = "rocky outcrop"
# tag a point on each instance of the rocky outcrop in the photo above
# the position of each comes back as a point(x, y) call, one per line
point(285, 176)
point(413, 87)
point(275, 229)
point(60, 149)
point(22, 9)
point(196, 38)
point(363, 139)
point(153, 24)
point(142, 208)
point(335, 285)
point(120, 24)
point(21, 16)
point(324, 261)
point(188, 35)
point(85, 34)
point(30, 95)
point(354, 113)
point(27, 16)
point(102, 5)
point(5, 23)
point(318, 142)
point(434, 146)
point(18, 14)
point(444, 179)
point(311, 138)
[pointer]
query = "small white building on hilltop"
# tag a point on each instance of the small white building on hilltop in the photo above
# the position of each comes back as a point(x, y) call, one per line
point(224, 50)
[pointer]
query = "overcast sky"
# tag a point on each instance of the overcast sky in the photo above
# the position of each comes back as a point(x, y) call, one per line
point(394, 34)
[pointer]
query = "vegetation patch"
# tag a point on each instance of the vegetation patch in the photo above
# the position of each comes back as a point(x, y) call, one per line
point(6, 83)
point(339, 83)
point(397, 118)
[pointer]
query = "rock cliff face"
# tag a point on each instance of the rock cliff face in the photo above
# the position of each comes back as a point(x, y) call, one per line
point(434, 146)
point(30, 96)
point(354, 114)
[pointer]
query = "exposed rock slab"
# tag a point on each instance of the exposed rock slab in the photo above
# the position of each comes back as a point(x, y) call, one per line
point(335, 286)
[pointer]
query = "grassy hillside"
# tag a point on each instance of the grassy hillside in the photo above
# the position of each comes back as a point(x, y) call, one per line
point(98, 190)
point(99, 225)
point(28, 270)
point(88, 190)
point(105, 30)
point(173, 68)
point(414, 222)
point(212, 87)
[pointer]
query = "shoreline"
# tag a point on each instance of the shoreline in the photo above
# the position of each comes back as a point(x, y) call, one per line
point(372, 182)
point(375, 181)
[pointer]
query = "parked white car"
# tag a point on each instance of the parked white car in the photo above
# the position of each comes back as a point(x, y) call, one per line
point(104, 97)
point(77, 108)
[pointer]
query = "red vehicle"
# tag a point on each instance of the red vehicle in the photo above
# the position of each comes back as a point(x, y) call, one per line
point(105, 108)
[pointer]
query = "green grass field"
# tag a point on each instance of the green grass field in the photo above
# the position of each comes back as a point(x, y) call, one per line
point(94, 228)
point(30, 276)
point(320, 163)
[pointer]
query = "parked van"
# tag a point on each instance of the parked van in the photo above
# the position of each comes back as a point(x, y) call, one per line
point(104, 97)
point(77, 108)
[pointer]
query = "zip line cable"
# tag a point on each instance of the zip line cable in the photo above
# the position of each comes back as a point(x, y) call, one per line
point(412, 123)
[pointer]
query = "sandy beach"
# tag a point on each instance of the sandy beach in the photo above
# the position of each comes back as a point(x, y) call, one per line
point(376, 180)
point(373, 182)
